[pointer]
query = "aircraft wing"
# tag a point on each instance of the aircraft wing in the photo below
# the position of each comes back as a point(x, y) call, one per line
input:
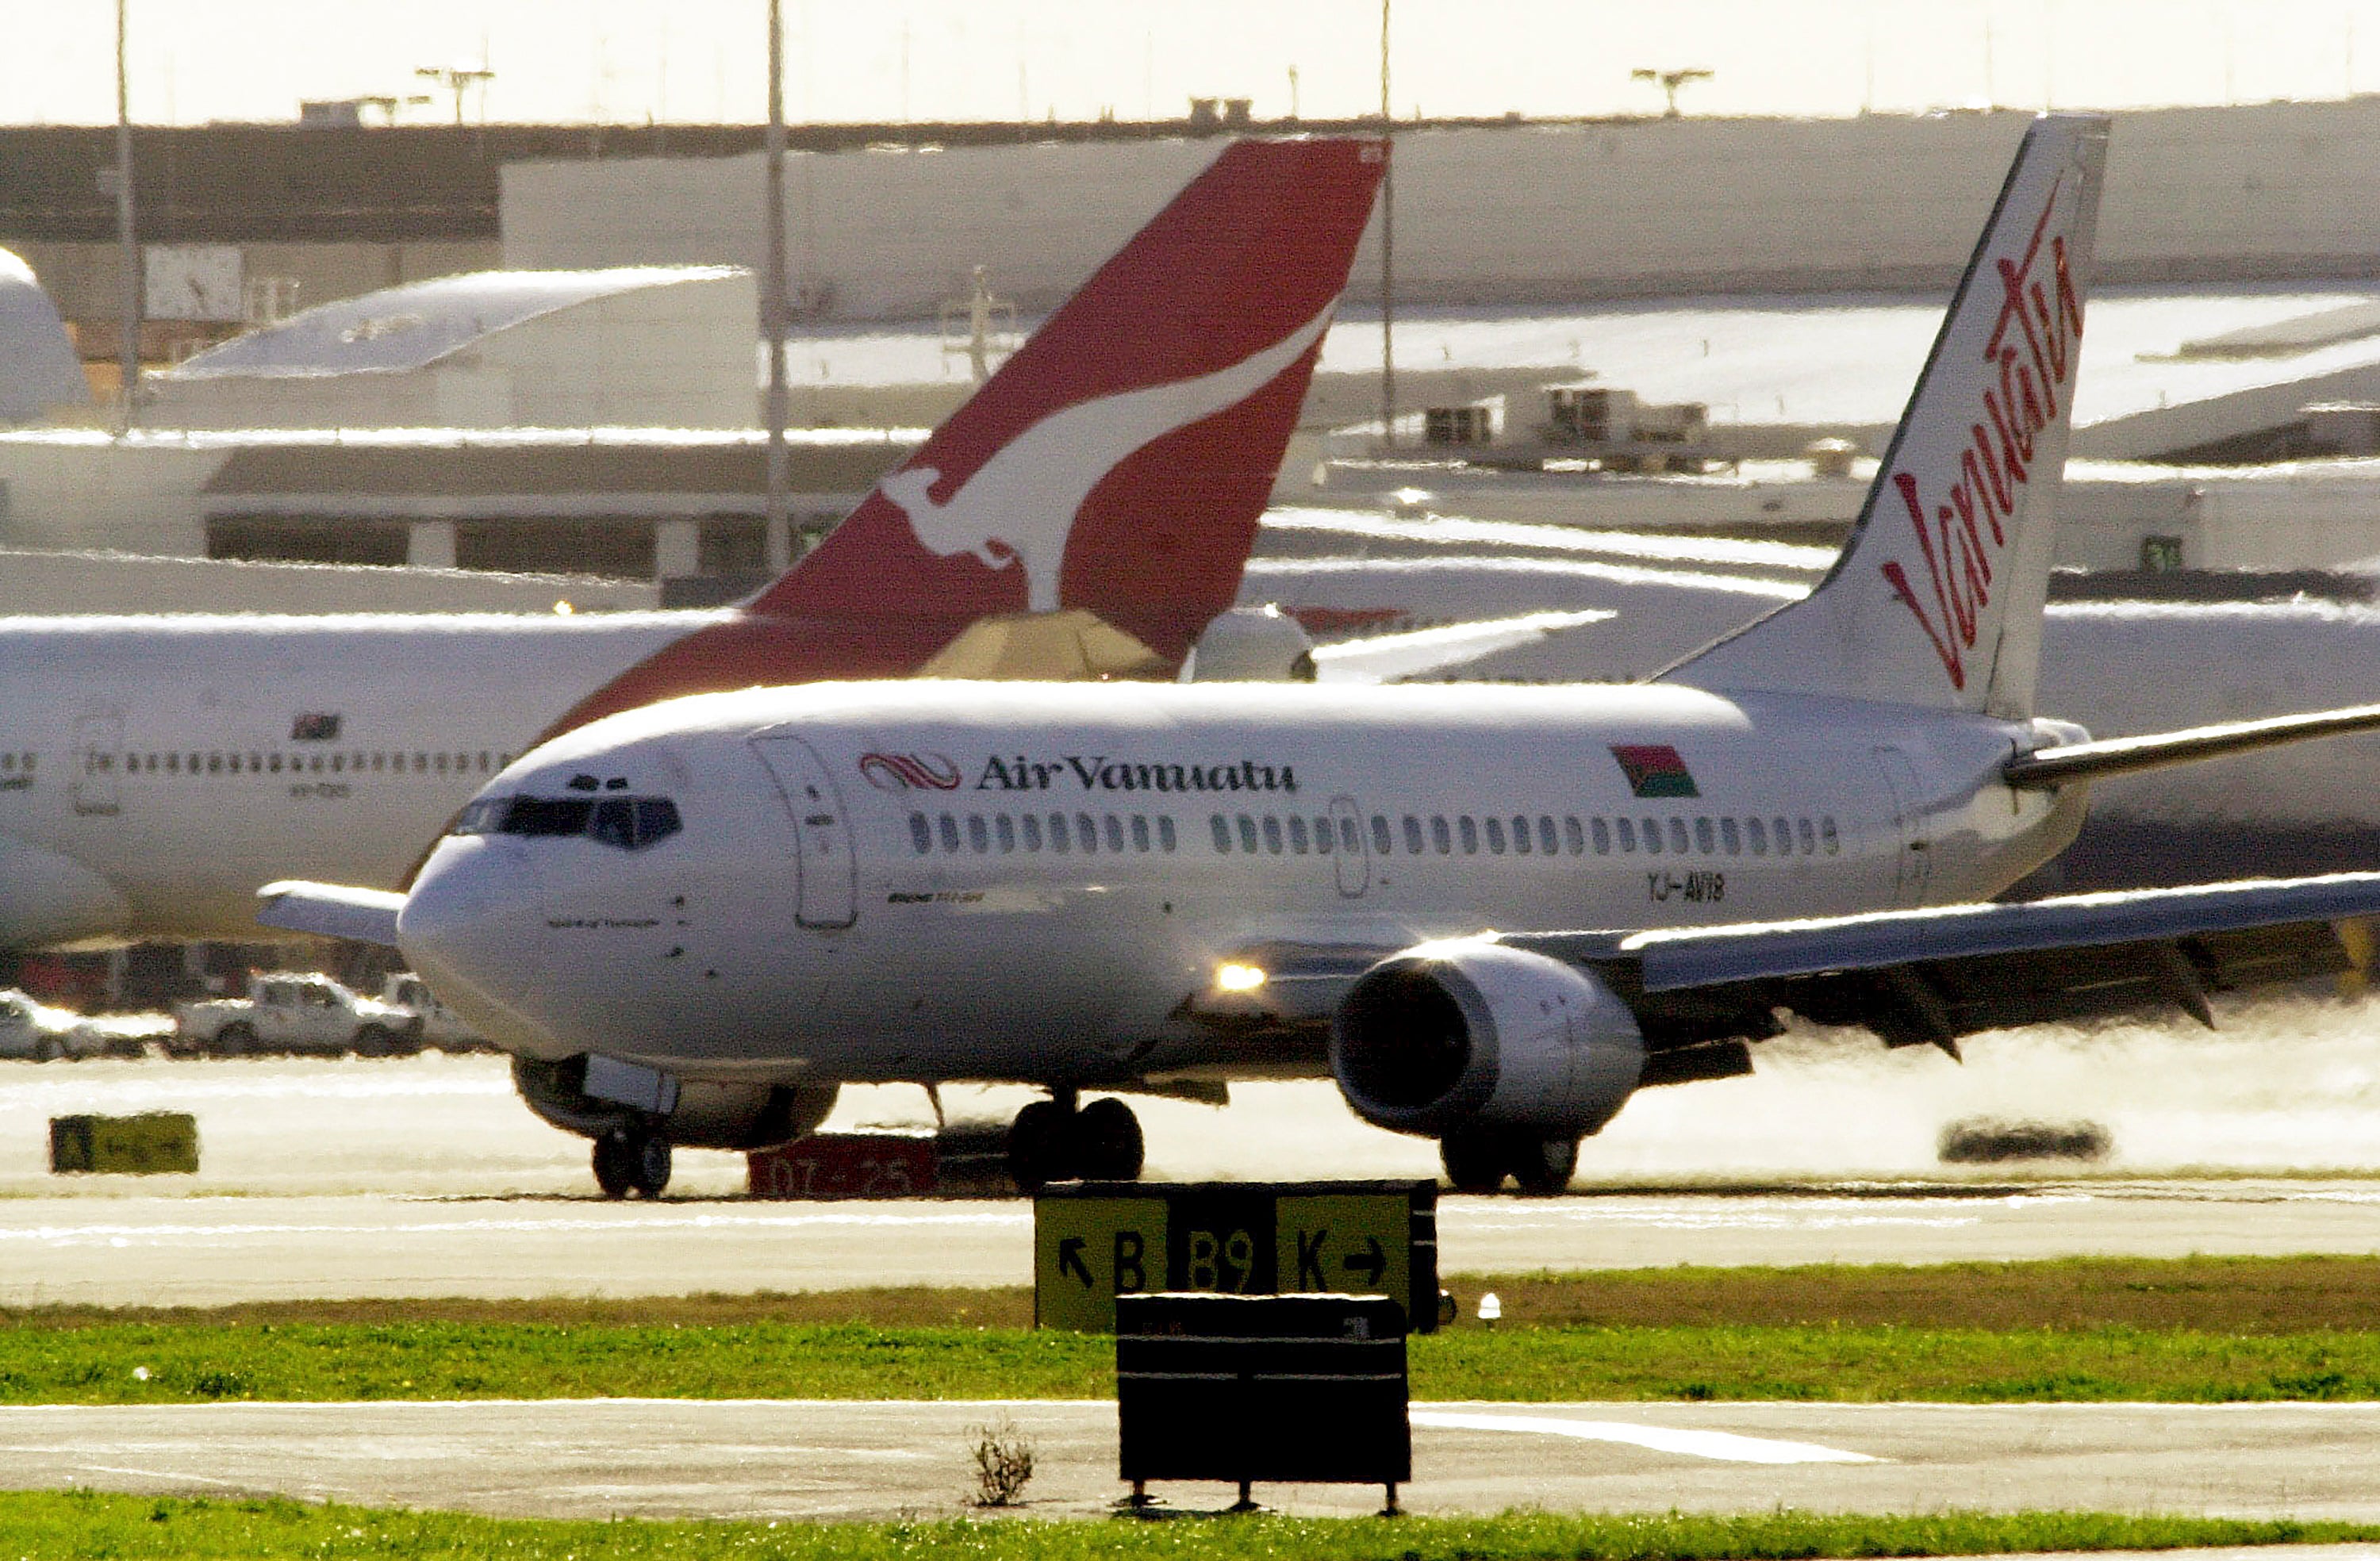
point(1931, 976)
point(367, 915)
point(1428, 652)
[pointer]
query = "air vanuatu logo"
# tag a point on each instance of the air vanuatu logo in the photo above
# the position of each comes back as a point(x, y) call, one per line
point(910, 773)
point(1653, 769)
point(2030, 356)
point(1019, 507)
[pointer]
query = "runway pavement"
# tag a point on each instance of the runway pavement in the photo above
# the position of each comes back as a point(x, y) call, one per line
point(208, 1250)
point(849, 1460)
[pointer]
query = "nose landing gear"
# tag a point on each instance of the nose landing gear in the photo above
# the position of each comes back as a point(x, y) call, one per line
point(632, 1161)
point(1052, 1140)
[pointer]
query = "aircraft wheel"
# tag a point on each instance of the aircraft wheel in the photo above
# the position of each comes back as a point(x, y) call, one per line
point(1040, 1144)
point(1108, 1144)
point(1475, 1161)
point(631, 1162)
point(235, 1040)
point(1544, 1166)
point(375, 1041)
point(47, 1049)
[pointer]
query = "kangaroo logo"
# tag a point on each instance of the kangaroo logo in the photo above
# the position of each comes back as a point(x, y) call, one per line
point(1020, 506)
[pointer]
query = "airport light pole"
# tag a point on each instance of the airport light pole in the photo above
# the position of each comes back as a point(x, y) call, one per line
point(1388, 250)
point(128, 349)
point(775, 309)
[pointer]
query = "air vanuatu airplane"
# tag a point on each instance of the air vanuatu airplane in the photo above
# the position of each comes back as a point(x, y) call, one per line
point(692, 921)
point(154, 771)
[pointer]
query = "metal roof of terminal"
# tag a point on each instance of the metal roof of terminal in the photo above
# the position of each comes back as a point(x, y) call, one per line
point(415, 324)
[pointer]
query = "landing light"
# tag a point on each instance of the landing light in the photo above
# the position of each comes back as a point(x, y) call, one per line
point(1236, 977)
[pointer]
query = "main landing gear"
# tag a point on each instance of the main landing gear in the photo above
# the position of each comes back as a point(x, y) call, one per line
point(1052, 1140)
point(1479, 1159)
point(632, 1161)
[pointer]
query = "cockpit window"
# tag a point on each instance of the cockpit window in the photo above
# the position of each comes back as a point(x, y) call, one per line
point(629, 823)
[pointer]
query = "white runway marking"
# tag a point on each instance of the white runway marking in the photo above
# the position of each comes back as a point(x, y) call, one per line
point(122, 1235)
point(1720, 1445)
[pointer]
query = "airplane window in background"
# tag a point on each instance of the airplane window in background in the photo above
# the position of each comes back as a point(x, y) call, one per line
point(1297, 833)
point(1086, 831)
point(1324, 836)
point(1272, 834)
point(1380, 839)
point(1468, 828)
point(1058, 842)
point(979, 834)
point(1115, 833)
point(1350, 839)
point(950, 833)
point(1248, 834)
point(1223, 830)
point(1165, 831)
point(1602, 838)
point(1727, 837)
point(1808, 838)
point(1413, 834)
point(1627, 833)
point(1678, 835)
point(1759, 832)
point(1031, 825)
point(1833, 841)
point(1545, 846)
point(921, 834)
point(1703, 839)
point(1005, 827)
point(1496, 836)
point(1140, 831)
point(1439, 834)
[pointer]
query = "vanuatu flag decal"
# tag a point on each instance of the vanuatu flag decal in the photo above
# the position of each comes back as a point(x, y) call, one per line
point(1653, 769)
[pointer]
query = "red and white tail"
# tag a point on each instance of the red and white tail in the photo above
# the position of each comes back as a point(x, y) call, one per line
point(1117, 463)
point(1936, 599)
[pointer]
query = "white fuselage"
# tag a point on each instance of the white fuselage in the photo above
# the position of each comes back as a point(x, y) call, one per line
point(153, 771)
point(938, 880)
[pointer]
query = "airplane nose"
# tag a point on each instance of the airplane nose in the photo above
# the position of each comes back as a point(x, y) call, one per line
point(473, 926)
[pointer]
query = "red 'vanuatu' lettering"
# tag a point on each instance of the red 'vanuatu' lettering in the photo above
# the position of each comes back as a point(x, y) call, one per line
point(2030, 356)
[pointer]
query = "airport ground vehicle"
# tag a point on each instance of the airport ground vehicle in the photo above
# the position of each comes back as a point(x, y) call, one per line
point(296, 1012)
point(1102, 888)
point(1108, 476)
point(441, 1026)
point(38, 1033)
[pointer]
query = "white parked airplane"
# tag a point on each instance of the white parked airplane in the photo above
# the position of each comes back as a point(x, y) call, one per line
point(693, 922)
point(1106, 481)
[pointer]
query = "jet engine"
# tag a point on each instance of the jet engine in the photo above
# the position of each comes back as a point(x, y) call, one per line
point(701, 1114)
point(1457, 1038)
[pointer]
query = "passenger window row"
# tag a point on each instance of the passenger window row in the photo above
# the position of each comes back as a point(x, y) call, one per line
point(484, 762)
point(984, 834)
point(11, 764)
point(1523, 835)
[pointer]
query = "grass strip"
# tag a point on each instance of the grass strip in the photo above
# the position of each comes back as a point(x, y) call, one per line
point(70, 1526)
point(149, 1364)
point(2261, 1295)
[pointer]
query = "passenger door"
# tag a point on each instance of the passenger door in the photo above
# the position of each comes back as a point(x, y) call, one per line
point(1355, 857)
point(826, 874)
point(98, 752)
point(1913, 863)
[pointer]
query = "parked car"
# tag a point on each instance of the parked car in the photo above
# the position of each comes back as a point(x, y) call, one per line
point(441, 1026)
point(295, 1013)
point(41, 1034)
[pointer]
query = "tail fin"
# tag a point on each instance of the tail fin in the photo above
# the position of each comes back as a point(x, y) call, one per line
point(1120, 460)
point(1938, 597)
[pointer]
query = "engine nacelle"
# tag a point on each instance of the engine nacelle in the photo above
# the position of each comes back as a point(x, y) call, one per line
point(704, 1115)
point(1464, 1035)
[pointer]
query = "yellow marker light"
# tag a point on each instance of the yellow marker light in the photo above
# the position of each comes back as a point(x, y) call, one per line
point(563, 610)
point(1236, 977)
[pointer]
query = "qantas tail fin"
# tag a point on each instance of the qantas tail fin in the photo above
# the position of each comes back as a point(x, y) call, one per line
point(1119, 461)
point(1938, 597)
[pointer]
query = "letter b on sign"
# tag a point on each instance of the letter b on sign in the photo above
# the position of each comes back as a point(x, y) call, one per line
point(1088, 1250)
